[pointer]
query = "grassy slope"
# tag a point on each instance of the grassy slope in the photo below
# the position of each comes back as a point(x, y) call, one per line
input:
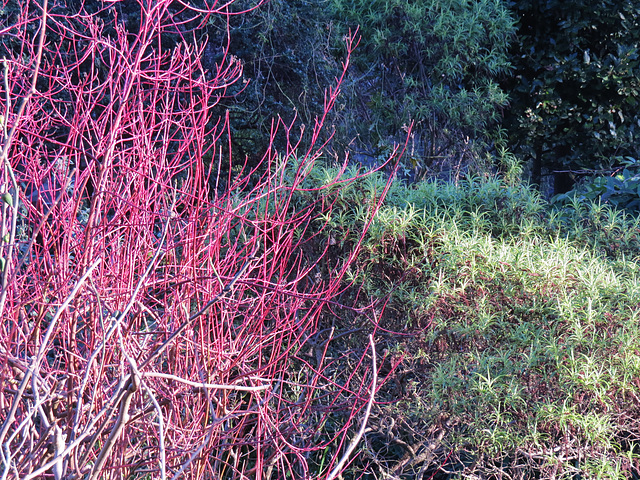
point(518, 333)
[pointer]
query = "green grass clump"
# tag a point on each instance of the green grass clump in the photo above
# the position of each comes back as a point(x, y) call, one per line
point(612, 232)
point(517, 329)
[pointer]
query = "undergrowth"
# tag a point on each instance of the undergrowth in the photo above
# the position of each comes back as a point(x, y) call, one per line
point(514, 329)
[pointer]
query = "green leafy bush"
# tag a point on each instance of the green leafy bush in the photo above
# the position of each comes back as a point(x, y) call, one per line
point(621, 190)
point(576, 91)
point(516, 328)
point(612, 233)
point(435, 63)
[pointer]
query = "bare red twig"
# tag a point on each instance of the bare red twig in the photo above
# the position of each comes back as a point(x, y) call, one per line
point(6, 165)
point(159, 295)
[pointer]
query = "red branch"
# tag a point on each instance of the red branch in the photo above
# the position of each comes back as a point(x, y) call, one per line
point(155, 305)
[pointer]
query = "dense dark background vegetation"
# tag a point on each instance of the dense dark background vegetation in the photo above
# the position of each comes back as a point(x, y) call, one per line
point(554, 82)
point(575, 88)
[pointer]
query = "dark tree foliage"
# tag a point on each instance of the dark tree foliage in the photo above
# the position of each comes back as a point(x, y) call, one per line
point(284, 48)
point(576, 86)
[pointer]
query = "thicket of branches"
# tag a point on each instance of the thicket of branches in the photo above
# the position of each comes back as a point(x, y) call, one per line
point(158, 302)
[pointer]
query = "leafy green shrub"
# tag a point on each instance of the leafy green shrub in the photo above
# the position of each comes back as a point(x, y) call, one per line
point(576, 91)
point(435, 63)
point(621, 191)
point(516, 330)
point(488, 206)
point(611, 232)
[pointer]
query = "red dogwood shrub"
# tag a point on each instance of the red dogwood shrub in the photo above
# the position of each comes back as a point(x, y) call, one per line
point(157, 296)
